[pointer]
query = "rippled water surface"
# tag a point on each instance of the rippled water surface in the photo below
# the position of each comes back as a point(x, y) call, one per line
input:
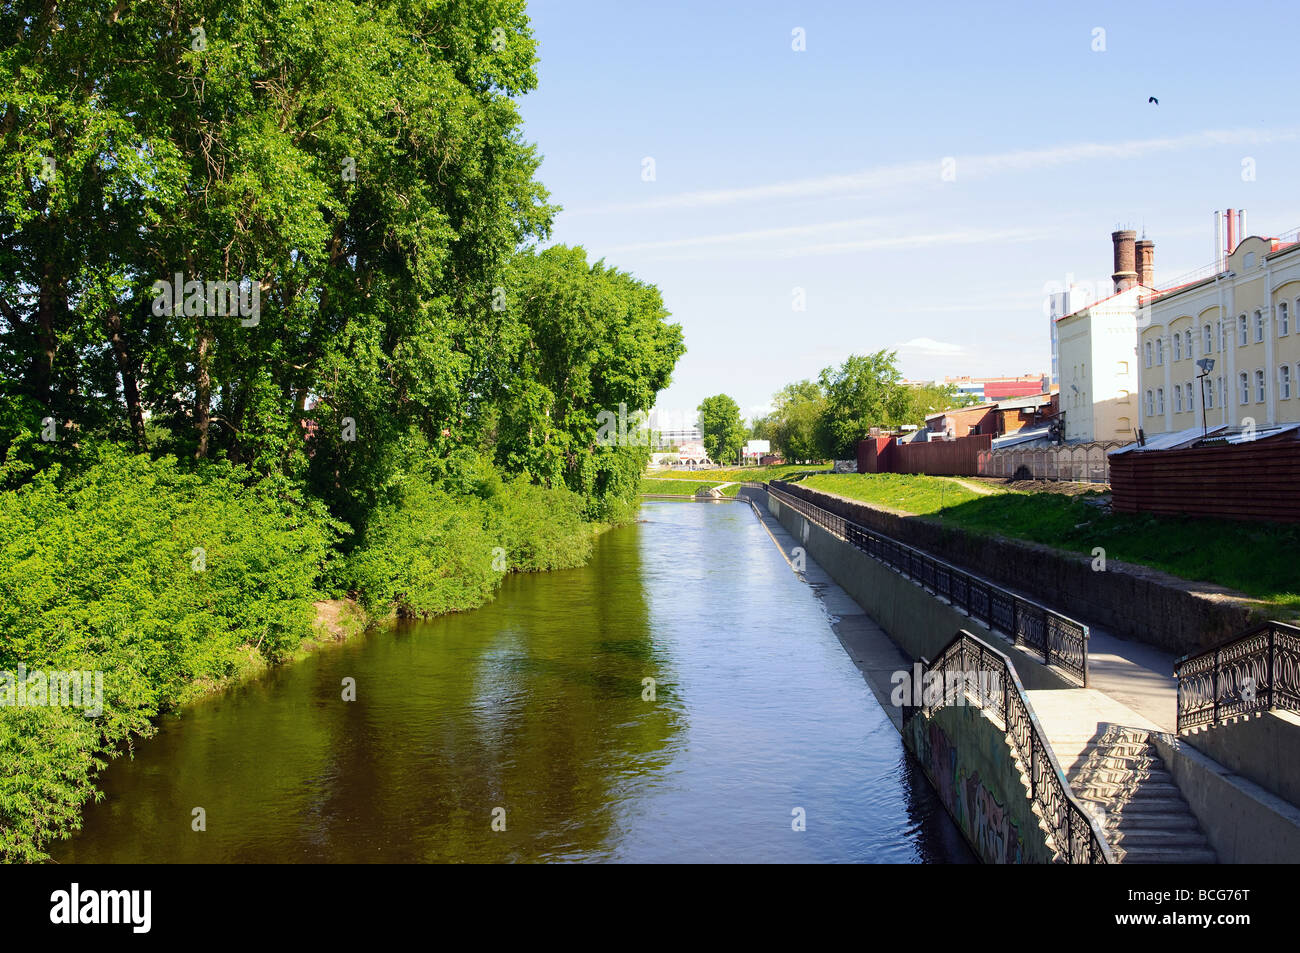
point(534, 704)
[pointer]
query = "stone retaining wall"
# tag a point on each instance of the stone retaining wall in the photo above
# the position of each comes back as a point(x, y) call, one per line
point(1132, 602)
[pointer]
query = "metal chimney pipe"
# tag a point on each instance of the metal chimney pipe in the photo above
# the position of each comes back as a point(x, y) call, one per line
point(1232, 230)
point(1218, 239)
point(1241, 224)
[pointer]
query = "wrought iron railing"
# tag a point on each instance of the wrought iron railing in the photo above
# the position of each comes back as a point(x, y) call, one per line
point(971, 670)
point(1255, 671)
point(1058, 639)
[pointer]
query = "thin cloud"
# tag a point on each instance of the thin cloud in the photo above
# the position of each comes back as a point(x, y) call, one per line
point(925, 172)
point(930, 346)
point(750, 236)
point(968, 236)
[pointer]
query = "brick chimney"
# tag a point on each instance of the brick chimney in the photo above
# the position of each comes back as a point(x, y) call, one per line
point(1125, 275)
point(1146, 263)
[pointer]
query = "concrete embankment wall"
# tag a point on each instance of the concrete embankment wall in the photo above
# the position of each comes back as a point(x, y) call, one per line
point(966, 757)
point(919, 622)
point(1262, 748)
point(1130, 601)
point(1244, 823)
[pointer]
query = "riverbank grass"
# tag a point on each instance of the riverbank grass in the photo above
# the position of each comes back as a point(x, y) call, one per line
point(1256, 558)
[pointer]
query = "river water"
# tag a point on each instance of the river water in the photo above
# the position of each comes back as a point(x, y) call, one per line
point(530, 714)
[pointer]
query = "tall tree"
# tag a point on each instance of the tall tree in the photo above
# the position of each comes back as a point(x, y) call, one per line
point(589, 347)
point(865, 391)
point(722, 427)
point(797, 419)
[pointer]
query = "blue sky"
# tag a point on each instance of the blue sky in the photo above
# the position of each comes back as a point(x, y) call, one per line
point(822, 170)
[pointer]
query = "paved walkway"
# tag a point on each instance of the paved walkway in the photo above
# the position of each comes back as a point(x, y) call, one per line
point(1137, 677)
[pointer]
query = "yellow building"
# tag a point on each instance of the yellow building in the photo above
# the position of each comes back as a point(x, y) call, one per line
point(1243, 317)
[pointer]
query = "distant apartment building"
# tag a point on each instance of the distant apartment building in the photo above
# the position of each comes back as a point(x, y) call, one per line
point(1097, 350)
point(1059, 305)
point(1239, 312)
point(663, 439)
point(998, 418)
point(999, 388)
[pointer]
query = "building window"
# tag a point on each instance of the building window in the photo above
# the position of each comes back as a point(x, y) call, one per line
point(1160, 400)
point(1208, 335)
point(1187, 337)
point(1259, 386)
point(1243, 331)
point(1178, 398)
point(1244, 380)
point(1209, 395)
point(1148, 350)
point(1283, 320)
point(1160, 351)
point(1223, 335)
point(1284, 382)
point(1259, 326)
point(1178, 346)
point(1151, 405)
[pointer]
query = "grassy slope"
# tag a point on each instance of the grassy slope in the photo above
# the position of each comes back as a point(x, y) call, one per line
point(1258, 559)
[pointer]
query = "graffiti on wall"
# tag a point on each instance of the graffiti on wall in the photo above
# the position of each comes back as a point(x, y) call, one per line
point(975, 806)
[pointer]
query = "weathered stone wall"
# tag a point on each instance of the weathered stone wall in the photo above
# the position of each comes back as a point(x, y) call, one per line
point(1132, 602)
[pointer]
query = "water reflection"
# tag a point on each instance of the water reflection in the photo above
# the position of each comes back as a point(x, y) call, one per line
point(534, 704)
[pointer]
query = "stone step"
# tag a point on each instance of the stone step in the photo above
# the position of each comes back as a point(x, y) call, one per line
point(1151, 805)
point(1156, 838)
point(1166, 855)
point(1109, 759)
point(1120, 792)
point(1128, 780)
point(1169, 821)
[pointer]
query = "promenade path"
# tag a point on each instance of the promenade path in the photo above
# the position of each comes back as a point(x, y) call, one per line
point(1101, 735)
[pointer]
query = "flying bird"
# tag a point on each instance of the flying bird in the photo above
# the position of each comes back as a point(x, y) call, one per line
point(1152, 99)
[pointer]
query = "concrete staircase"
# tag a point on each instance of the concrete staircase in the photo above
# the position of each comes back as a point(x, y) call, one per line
point(1121, 778)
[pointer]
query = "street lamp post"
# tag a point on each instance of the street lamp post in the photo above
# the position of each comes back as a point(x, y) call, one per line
point(1206, 364)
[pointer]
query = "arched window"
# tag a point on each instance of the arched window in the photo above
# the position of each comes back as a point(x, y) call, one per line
point(1209, 395)
point(1160, 351)
point(1160, 400)
point(1148, 353)
point(1151, 405)
point(1243, 331)
point(1178, 346)
point(1244, 380)
point(1260, 392)
point(1259, 325)
point(1284, 382)
point(1178, 398)
point(1208, 334)
point(1283, 320)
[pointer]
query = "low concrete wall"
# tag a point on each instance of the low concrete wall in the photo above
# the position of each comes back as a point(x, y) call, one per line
point(1130, 601)
point(919, 622)
point(1243, 823)
point(1261, 749)
point(967, 759)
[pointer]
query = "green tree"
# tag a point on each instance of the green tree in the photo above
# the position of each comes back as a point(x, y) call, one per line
point(865, 391)
point(798, 413)
point(723, 429)
point(588, 348)
point(927, 399)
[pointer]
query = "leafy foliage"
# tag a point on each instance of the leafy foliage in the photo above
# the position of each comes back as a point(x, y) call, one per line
point(415, 387)
point(165, 581)
point(723, 429)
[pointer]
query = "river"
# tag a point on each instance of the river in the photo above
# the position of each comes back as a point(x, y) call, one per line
point(530, 714)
